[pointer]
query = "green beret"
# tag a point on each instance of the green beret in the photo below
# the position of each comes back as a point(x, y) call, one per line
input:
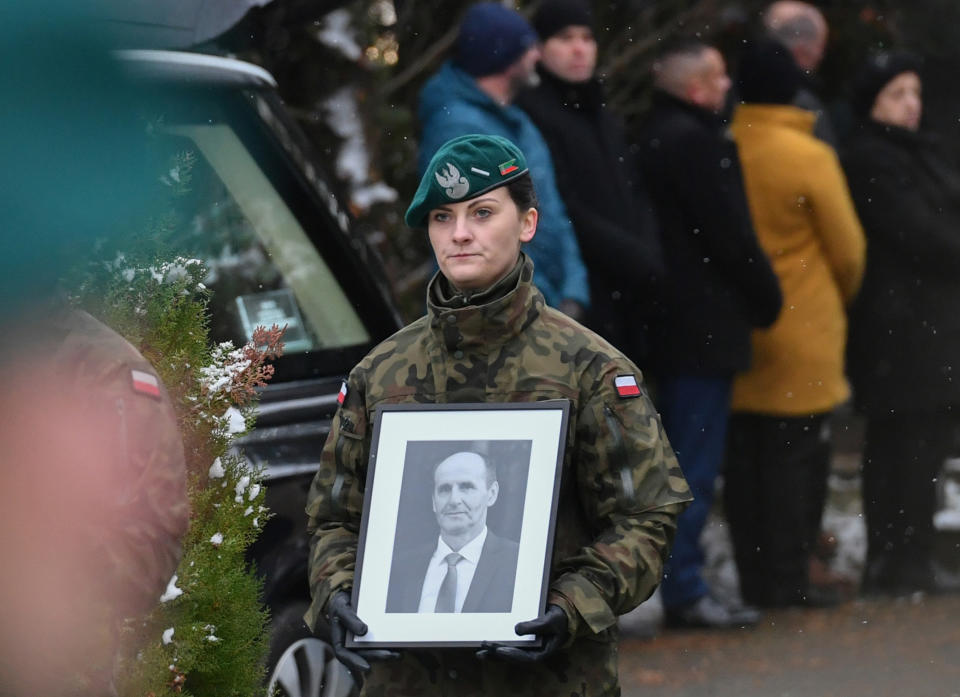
point(462, 169)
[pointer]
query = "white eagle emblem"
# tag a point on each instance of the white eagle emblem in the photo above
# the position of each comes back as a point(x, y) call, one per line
point(455, 185)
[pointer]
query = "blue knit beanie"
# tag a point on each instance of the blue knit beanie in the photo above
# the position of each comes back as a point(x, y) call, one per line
point(491, 38)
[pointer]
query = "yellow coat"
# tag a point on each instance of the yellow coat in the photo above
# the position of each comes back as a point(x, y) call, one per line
point(806, 222)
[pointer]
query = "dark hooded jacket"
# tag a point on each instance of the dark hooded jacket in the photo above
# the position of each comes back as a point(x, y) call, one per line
point(904, 344)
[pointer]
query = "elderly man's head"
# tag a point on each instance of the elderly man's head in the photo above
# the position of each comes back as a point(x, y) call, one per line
point(800, 27)
point(464, 487)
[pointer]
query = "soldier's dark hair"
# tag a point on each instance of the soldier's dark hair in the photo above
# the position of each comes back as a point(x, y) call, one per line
point(522, 192)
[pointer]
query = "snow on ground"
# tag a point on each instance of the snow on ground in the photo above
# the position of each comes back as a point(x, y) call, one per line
point(842, 518)
point(948, 517)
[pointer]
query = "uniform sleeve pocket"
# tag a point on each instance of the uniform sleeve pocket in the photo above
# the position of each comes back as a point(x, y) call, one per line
point(350, 465)
point(631, 440)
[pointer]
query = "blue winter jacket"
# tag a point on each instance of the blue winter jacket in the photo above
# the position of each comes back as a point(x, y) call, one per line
point(452, 105)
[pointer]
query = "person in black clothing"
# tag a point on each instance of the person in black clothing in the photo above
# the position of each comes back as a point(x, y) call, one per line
point(597, 177)
point(904, 327)
point(719, 286)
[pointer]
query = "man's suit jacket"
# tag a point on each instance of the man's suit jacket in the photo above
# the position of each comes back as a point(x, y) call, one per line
point(491, 589)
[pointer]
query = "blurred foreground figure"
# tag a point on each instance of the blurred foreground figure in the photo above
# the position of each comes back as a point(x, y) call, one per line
point(93, 489)
point(92, 483)
point(904, 327)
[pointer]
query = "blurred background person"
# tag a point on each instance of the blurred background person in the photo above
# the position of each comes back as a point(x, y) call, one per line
point(93, 484)
point(495, 56)
point(719, 285)
point(94, 500)
point(802, 28)
point(904, 325)
point(778, 453)
point(597, 176)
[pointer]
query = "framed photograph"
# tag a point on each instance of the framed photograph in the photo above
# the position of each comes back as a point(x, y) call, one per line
point(458, 520)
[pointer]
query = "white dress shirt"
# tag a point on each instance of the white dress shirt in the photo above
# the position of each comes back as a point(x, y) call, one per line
point(437, 570)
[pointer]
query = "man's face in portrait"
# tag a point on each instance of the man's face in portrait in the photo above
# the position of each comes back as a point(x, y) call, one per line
point(462, 492)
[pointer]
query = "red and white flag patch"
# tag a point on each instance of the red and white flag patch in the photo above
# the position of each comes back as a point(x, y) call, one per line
point(145, 383)
point(627, 386)
point(343, 392)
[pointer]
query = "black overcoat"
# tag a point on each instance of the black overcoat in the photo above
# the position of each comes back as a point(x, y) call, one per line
point(601, 186)
point(719, 283)
point(903, 351)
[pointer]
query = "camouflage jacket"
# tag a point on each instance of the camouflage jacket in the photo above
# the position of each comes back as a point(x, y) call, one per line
point(621, 487)
point(96, 473)
point(148, 504)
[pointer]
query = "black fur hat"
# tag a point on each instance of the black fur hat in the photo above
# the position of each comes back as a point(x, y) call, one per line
point(879, 69)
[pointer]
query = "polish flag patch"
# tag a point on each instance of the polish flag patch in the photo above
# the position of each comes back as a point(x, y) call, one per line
point(343, 392)
point(627, 386)
point(145, 383)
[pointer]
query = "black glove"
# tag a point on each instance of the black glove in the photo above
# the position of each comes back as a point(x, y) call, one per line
point(551, 627)
point(342, 619)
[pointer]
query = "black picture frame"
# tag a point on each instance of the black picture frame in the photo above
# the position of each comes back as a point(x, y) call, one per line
point(521, 446)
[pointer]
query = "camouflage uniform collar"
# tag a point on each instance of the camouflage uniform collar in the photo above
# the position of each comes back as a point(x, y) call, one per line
point(486, 315)
point(443, 294)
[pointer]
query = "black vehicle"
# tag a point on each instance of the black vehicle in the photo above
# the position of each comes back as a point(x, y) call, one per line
point(269, 225)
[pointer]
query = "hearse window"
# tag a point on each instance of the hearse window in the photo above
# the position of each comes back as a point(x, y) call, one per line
point(263, 268)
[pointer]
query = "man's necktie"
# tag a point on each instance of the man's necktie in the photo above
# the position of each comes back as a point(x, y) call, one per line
point(447, 597)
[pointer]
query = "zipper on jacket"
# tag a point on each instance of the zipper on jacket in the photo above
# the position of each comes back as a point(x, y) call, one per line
point(338, 492)
point(618, 454)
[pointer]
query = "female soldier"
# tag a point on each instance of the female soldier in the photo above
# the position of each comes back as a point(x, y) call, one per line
point(488, 337)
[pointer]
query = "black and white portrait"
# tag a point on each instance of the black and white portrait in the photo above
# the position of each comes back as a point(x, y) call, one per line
point(458, 526)
point(458, 521)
